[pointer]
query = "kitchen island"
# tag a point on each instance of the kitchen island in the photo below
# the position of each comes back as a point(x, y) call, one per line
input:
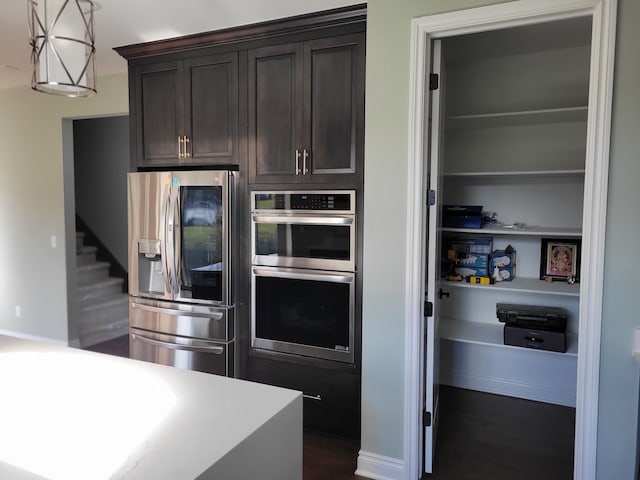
point(72, 414)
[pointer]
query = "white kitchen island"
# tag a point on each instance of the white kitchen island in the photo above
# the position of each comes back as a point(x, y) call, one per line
point(70, 414)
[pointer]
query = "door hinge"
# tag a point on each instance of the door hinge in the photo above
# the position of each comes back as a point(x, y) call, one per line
point(431, 198)
point(426, 419)
point(428, 309)
point(433, 81)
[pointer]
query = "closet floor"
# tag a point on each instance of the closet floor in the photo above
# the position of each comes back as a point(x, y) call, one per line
point(485, 436)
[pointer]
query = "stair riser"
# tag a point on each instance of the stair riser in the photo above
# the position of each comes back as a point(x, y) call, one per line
point(84, 277)
point(90, 337)
point(95, 295)
point(95, 316)
point(85, 258)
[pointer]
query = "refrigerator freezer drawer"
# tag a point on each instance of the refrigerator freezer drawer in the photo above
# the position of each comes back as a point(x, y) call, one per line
point(181, 352)
point(185, 320)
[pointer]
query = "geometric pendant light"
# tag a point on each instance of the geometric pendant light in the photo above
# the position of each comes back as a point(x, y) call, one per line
point(62, 47)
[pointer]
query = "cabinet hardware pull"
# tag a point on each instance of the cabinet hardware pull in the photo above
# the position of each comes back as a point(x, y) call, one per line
point(305, 155)
point(186, 140)
point(312, 397)
point(298, 162)
point(179, 147)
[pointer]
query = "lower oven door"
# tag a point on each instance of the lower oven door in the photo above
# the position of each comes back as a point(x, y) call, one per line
point(303, 312)
point(182, 352)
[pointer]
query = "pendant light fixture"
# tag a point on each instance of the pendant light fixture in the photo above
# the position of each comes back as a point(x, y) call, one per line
point(62, 47)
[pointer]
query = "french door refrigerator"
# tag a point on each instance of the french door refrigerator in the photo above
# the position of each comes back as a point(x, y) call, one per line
point(180, 300)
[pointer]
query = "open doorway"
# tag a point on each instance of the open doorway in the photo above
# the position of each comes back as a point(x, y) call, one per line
point(428, 31)
point(98, 217)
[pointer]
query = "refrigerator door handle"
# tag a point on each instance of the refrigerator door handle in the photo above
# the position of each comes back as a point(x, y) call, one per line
point(177, 239)
point(171, 236)
point(181, 313)
point(163, 244)
point(215, 349)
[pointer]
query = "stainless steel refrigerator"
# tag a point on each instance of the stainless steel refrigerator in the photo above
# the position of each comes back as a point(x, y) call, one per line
point(180, 300)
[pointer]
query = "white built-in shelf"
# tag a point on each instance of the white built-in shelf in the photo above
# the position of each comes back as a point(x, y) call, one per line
point(491, 176)
point(523, 285)
point(492, 334)
point(532, 231)
point(523, 117)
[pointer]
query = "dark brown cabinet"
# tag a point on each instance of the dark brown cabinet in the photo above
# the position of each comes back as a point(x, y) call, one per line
point(306, 111)
point(186, 111)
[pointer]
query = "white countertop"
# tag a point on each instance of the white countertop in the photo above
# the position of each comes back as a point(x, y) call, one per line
point(70, 414)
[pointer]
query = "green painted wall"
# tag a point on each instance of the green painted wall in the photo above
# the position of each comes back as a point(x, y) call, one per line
point(619, 373)
point(32, 208)
point(385, 224)
point(388, 45)
point(33, 275)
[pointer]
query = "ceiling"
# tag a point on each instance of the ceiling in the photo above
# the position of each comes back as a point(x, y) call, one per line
point(125, 22)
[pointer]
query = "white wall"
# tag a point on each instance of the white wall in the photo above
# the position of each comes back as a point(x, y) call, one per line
point(33, 275)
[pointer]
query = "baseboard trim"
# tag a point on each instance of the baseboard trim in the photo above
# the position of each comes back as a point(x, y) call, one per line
point(35, 338)
point(509, 388)
point(379, 467)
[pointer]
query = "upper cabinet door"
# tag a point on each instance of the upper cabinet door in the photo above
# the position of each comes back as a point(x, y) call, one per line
point(306, 112)
point(157, 100)
point(211, 109)
point(275, 113)
point(334, 109)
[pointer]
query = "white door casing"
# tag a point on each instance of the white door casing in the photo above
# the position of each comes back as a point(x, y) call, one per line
point(511, 14)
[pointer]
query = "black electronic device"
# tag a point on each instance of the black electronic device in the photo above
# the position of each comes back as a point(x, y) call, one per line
point(532, 316)
point(545, 338)
point(533, 326)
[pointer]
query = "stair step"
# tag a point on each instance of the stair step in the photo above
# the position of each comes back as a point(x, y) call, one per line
point(102, 307)
point(86, 256)
point(95, 291)
point(92, 273)
point(102, 333)
point(79, 241)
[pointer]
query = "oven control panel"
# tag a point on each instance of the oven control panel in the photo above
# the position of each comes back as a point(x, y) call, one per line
point(342, 201)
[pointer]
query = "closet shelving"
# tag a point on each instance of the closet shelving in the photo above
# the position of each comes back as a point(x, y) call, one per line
point(514, 142)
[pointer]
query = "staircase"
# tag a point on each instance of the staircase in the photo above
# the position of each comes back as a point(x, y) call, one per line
point(103, 309)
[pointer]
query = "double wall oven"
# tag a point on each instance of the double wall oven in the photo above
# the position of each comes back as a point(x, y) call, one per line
point(303, 250)
point(181, 310)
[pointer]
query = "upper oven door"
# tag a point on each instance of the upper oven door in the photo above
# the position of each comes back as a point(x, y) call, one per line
point(317, 241)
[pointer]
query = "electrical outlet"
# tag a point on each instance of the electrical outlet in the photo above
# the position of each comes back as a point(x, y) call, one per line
point(18, 310)
point(54, 241)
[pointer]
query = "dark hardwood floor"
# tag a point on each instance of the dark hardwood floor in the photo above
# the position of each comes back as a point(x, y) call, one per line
point(480, 437)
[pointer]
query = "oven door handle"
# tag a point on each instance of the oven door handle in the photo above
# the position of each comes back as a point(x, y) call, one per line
point(298, 275)
point(215, 349)
point(311, 220)
point(181, 313)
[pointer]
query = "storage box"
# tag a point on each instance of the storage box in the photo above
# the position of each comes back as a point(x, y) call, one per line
point(552, 339)
point(473, 264)
point(462, 216)
point(506, 263)
point(472, 245)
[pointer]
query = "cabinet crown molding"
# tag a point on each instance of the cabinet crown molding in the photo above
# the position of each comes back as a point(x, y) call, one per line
point(339, 17)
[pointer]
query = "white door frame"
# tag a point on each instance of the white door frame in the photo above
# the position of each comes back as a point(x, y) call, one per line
point(510, 14)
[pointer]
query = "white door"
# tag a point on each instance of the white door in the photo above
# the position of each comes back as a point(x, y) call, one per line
point(431, 255)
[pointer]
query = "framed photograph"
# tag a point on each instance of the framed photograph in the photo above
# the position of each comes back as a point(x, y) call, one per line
point(560, 259)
